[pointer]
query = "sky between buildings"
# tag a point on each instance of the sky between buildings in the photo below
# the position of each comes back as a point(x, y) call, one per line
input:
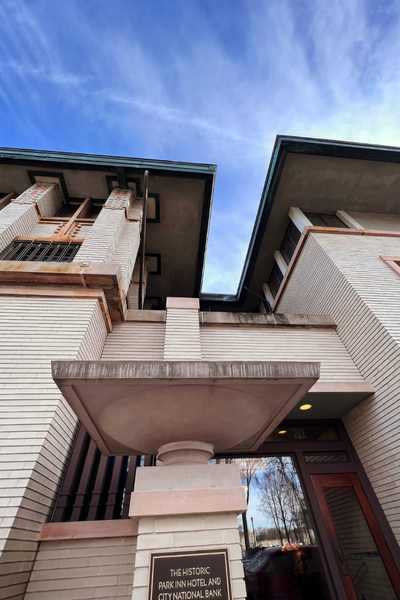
point(200, 80)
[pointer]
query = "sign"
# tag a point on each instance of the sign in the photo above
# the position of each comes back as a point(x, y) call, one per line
point(201, 575)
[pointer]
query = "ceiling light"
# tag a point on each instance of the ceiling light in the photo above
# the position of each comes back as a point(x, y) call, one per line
point(305, 406)
point(282, 431)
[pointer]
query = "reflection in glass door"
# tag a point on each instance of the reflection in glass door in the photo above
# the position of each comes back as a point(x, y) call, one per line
point(280, 552)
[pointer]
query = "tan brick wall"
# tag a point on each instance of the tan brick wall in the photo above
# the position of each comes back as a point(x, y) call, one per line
point(135, 341)
point(83, 570)
point(16, 219)
point(343, 276)
point(164, 534)
point(225, 342)
point(182, 332)
point(36, 424)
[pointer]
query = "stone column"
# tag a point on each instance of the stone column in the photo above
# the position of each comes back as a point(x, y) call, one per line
point(182, 331)
point(183, 507)
point(115, 235)
point(22, 214)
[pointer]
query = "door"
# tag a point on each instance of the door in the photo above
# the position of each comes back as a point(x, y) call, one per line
point(367, 567)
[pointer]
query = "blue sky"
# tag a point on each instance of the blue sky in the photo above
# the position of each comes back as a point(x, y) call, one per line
point(200, 80)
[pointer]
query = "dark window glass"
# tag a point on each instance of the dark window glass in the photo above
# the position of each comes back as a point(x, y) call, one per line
point(275, 279)
point(23, 250)
point(289, 242)
point(323, 220)
point(307, 432)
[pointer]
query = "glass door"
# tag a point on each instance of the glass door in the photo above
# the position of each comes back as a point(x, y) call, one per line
point(281, 554)
point(365, 562)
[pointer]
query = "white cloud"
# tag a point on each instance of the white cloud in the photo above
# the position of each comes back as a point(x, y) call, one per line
point(212, 90)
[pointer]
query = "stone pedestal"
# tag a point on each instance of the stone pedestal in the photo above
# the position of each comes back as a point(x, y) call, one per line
point(187, 507)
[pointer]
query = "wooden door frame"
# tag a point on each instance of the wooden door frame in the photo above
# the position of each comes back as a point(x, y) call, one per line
point(321, 481)
point(298, 449)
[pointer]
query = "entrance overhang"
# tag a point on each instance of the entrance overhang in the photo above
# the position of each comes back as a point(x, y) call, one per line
point(134, 407)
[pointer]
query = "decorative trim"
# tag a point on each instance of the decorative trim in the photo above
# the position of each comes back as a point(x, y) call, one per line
point(348, 220)
point(187, 502)
point(146, 316)
point(182, 303)
point(268, 294)
point(267, 320)
point(83, 530)
point(60, 292)
point(55, 175)
point(332, 231)
point(298, 218)
point(280, 261)
point(393, 262)
point(87, 275)
point(327, 387)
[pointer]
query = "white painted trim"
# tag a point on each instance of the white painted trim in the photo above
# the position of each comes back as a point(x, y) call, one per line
point(280, 261)
point(268, 294)
point(348, 220)
point(297, 216)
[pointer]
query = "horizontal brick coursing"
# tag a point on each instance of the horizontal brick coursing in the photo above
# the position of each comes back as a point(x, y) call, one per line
point(183, 533)
point(83, 569)
point(182, 335)
point(36, 424)
point(135, 341)
point(224, 342)
point(16, 219)
point(343, 276)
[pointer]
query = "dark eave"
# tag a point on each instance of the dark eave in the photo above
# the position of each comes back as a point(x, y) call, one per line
point(103, 161)
point(125, 167)
point(282, 147)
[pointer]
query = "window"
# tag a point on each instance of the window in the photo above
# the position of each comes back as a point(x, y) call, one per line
point(275, 279)
point(325, 220)
point(289, 242)
point(23, 250)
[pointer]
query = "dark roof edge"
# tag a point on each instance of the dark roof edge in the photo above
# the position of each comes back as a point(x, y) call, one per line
point(285, 144)
point(104, 161)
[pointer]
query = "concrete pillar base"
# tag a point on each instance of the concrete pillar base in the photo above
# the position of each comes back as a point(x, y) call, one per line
point(183, 508)
point(185, 453)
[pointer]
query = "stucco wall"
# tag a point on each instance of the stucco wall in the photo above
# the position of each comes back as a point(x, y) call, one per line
point(35, 422)
point(342, 275)
point(83, 570)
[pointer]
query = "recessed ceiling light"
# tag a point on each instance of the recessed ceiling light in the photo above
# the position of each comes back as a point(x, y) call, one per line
point(282, 431)
point(305, 406)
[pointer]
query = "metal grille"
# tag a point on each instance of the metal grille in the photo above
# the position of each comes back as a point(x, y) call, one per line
point(40, 251)
point(323, 458)
point(94, 486)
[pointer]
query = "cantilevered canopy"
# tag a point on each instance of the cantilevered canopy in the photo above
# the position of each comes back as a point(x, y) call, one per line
point(134, 407)
point(180, 197)
point(318, 176)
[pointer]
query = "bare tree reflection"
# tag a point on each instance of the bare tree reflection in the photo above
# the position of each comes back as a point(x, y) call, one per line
point(280, 498)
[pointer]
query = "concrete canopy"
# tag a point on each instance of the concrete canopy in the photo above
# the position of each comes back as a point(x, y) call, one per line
point(134, 407)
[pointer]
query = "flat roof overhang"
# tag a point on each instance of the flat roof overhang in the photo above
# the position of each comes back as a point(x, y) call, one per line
point(134, 407)
point(184, 192)
point(317, 176)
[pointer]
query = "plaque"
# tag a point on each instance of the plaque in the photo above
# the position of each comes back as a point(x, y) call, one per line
point(193, 575)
